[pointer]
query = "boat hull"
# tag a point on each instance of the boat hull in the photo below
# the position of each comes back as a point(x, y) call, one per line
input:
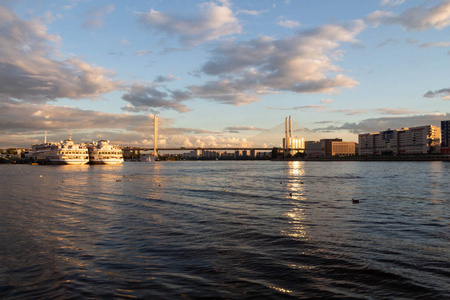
point(105, 162)
point(66, 162)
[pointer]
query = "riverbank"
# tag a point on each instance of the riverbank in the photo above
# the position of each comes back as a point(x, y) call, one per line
point(373, 158)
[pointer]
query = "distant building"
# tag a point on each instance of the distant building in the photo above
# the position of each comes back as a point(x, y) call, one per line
point(14, 152)
point(445, 137)
point(415, 140)
point(343, 148)
point(292, 144)
point(329, 147)
point(313, 149)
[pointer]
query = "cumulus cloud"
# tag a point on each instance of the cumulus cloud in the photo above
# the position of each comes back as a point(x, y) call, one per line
point(419, 18)
point(444, 93)
point(96, 16)
point(167, 78)
point(380, 124)
point(283, 22)
point(30, 72)
point(18, 117)
point(211, 23)
point(225, 91)
point(125, 42)
point(143, 52)
point(23, 124)
point(148, 98)
point(387, 42)
point(251, 12)
point(238, 129)
point(350, 112)
point(302, 63)
point(185, 131)
point(396, 111)
point(437, 44)
point(392, 2)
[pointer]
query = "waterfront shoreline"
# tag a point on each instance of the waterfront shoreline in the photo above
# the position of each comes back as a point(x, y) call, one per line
point(328, 159)
point(372, 158)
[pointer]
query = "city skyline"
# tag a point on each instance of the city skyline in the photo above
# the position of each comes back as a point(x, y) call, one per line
point(220, 72)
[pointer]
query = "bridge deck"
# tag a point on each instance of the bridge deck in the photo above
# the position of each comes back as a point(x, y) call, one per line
point(207, 148)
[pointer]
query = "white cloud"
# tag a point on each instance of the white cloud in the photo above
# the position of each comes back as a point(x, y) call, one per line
point(350, 112)
point(436, 44)
point(302, 63)
point(380, 124)
point(148, 98)
point(419, 18)
point(29, 118)
point(234, 92)
point(392, 2)
point(326, 101)
point(396, 111)
point(24, 124)
point(238, 129)
point(167, 78)
point(96, 16)
point(444, 93)
point(211, 23)
point(124, 42)
point(143, 52)
point(251, 12)
point(283, 22)
point(28, 70)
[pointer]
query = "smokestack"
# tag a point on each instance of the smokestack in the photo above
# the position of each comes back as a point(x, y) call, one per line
point(290, 127)
point(286, 134)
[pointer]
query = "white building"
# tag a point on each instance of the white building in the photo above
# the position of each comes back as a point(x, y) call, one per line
point(330, 147)
point(415, 140)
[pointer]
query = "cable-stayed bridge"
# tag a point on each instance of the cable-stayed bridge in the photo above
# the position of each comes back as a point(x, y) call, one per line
point(266, 140)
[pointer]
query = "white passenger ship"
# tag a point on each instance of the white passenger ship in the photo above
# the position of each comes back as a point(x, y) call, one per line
point(102, 152)
point(66, 152)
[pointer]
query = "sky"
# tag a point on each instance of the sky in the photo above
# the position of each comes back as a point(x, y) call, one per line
point(220, 73)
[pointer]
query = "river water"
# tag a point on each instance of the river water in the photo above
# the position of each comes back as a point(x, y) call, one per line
point(226, 229)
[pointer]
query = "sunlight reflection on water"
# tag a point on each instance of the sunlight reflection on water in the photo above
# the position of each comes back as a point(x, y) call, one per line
point(225, 229)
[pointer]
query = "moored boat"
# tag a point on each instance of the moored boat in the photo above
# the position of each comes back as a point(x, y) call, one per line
point(102, 152)
point(66, 152)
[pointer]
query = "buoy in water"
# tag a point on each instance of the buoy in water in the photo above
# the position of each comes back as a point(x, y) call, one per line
point(355, 201)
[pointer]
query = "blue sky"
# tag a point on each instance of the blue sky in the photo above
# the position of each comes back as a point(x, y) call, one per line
point(219, 73)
